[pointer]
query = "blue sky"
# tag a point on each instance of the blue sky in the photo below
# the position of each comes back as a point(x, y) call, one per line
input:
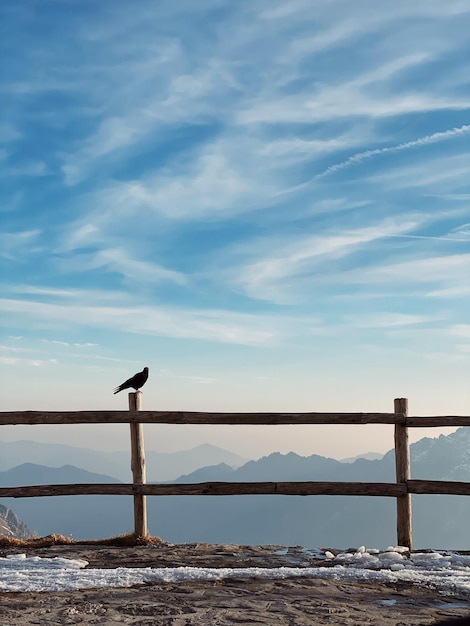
point(266, 202)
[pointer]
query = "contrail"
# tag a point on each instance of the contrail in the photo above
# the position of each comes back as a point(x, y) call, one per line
point(444, 237)
point(367, 154)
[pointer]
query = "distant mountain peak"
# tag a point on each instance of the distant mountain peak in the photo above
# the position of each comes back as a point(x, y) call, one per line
point(367, 456)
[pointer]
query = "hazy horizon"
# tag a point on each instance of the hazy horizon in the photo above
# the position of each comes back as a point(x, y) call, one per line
point(278, 441)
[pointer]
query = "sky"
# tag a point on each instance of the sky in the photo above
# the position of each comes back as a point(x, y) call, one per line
point(448, 572)
point(266, 202)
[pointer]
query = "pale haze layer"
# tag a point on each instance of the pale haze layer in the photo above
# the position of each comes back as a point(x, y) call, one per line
point(266, 203)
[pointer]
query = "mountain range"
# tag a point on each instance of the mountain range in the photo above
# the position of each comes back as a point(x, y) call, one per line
point(336, 521)
point(161, 466)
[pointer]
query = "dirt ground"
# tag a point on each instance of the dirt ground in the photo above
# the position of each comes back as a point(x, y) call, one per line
point(272, 603)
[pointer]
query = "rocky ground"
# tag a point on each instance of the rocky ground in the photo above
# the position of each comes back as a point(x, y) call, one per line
point(271, 603)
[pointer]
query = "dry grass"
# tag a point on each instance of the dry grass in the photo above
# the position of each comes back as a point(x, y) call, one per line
point(126, 540)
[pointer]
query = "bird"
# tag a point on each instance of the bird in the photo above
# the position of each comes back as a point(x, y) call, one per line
point(137, 381)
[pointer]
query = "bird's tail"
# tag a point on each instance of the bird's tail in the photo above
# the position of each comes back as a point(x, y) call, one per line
point(117, 390)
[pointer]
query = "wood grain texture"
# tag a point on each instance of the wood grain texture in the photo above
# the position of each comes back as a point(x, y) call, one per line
point(210, 489)
point(258, 488)
point(138, 465)
point(193, 417)
point(445, 487)
point(402, 467)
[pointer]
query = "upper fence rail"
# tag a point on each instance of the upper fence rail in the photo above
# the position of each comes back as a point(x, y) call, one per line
point(194, 417)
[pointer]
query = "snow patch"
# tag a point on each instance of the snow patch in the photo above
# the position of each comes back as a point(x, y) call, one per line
point(448, 572)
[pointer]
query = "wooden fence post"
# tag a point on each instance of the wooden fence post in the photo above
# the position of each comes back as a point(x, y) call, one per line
point(402, 465)
point(138, 467)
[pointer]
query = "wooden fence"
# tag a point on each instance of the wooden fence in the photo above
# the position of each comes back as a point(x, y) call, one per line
point(401, 489)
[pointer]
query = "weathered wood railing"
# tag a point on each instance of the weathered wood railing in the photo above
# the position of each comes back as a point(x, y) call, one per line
point(401, 489)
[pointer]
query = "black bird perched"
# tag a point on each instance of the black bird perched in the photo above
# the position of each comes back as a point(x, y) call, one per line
point(137, 381)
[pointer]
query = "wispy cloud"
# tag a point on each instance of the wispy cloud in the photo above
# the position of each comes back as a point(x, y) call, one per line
point(433, 238)
point(461, 291)
point(270, 276)
point(210, 325)
point(432, 175)
point(350, 99)
point(16, 244)
point(13, 349)
point(5, 360)
point(389, 320)
point(66, 294)
point(445, 273)
point(224, 177)
point(460, 330)
point(119, 261)
point(158, 87)
point(58, 342)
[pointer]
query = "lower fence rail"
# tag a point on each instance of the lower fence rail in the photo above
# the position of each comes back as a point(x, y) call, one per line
point(306, 488)
point(302, 488)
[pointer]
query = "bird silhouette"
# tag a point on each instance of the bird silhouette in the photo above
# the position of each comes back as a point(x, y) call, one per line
point(137, 381)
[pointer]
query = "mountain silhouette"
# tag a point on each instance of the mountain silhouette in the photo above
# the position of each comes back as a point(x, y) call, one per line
point(161, 466)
